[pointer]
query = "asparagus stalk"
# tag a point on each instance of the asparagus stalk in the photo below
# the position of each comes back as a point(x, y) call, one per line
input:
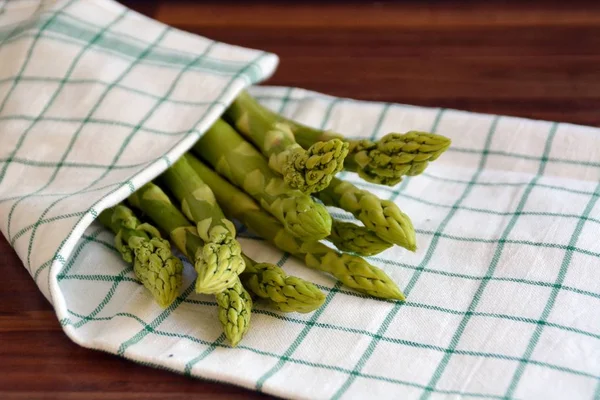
point(382, 217)
point(351, 270)
point(236, 159)
point(141, 244)
point(384, 161)
point(350, 237)
point(214, 268)
point(200, 206)
point(395, 155)
point(235, 308)
point(234, 302)
point(280, 291)
point(307, 170)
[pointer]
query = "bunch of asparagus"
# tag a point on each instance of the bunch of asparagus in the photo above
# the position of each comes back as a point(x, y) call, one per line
point(277, 177)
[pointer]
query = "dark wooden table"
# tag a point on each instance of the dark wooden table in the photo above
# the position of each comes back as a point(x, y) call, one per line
point(534, 59)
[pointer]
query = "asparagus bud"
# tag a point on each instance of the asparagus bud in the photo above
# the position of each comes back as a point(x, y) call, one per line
point(395, 155)
point(199, 205)
point(350, 237)
point(235, 308)
point(216, 266)
point(382, 217)
point(307, 170)
point(141, 244)
point(383, 162)
point(353, 271)
point(282, 292)
point(239, 162)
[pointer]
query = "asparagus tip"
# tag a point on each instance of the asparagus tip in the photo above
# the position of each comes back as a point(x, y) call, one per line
point(398, 295)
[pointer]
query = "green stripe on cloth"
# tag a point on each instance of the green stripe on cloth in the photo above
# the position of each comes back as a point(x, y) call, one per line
point(100, 188)
point(205, 353)
point(528, 157)
point(253, 63)
point(70, 147)
point(359, 183)
point(299, 339)
point(458, 352)
point(150, 328)
point(123, 146)
point(535, 337)
point(382, 115)
point(490, 272)
point(167, 312)
point(80, 31)
point(15, 82)
point(81, 81)
point(147, 327)
point(305, 332)
point(597, 391)
point(418, 271)
point(86, 239)
point(26, 229)
point(285, 100)
point(39, 117)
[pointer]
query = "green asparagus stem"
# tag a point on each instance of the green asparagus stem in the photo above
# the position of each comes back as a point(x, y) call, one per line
point(307, 170)
point(141, 244)
point(350, 237)
point(382, 217)
point(200, 206)
point(234, 302)
point(384, 161)
point(351, 270)
point(235, 308)
point(213, 265)
point(395, 155)
point(236, 159)
point(282, 292)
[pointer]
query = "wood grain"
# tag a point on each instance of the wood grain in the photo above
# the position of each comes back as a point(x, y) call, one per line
point(535, 59)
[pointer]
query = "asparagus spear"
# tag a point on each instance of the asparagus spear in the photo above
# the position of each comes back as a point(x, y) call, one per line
point(235, 308)
point(237, 160)
point(395, 155)
point(382, 217)
point(215, 266)
point(307, 170)
point(234, 302)
point(282, 292)
point(350, 237)
point(199, 206)
point(141, 244)
point(351, 270)
point(383, 162)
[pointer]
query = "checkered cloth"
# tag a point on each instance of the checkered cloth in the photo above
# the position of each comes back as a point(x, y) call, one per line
point(503, 292)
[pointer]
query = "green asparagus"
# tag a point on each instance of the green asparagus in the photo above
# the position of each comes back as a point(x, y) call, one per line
point(382, 217)
point(307, 170)
point(384, 161)
point(353, 238)
point(200, 206)
point(282, 292)
point(395, 155)
point(141, 244)
point(213, 264)
point(351, 270)
point(234, 302)
point(237, 160)
point(235, 308)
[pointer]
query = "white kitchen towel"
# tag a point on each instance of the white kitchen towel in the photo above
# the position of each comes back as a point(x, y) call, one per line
point(503, 294)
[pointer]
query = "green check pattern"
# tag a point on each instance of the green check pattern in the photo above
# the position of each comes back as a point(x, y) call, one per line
point(503, 292)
